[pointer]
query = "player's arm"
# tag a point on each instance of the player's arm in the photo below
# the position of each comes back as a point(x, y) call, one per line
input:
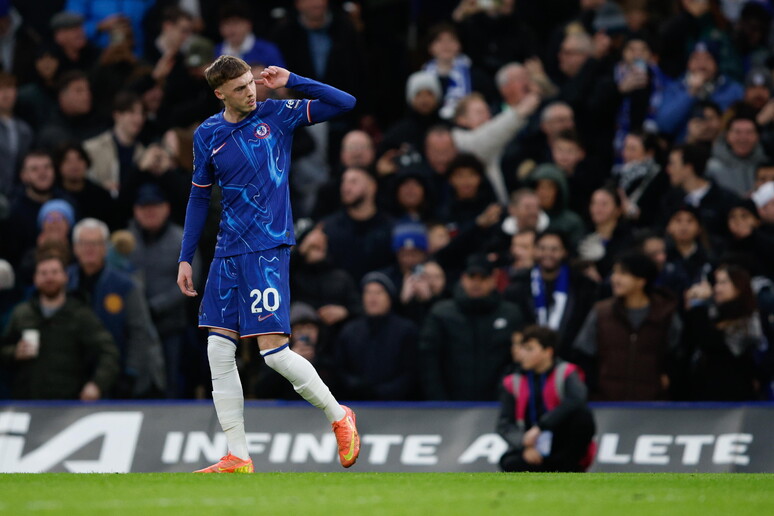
point(195, 218)
point(328, 101)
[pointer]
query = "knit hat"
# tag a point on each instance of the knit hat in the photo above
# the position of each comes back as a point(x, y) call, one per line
point(382, 279)
point(759, 77)
point(709, 46)
point(764, 194)
point(419, 81)
point(66, 20)
point(56, 206)
point(410, 235)
point(745, 204)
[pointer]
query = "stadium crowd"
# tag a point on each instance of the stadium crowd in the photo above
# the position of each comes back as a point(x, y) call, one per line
point(603, 168)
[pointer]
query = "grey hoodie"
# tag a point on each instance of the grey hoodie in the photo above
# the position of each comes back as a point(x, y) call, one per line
point(733, 172)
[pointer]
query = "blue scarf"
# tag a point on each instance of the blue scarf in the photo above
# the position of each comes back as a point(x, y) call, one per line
point(460, 84)
point(550, 316)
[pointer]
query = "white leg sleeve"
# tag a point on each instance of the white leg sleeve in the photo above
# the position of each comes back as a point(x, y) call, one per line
point(298, 371)
point(227, 393)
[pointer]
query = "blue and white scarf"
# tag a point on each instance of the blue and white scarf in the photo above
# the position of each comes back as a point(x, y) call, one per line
point(459, 83)
point(550, 316)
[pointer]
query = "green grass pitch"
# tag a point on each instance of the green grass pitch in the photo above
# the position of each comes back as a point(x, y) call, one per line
point(352, 493)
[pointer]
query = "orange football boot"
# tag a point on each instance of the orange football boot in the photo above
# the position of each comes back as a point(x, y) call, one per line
point(347, 437)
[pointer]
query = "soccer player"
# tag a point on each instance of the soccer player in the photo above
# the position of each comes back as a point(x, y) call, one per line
point(246, 148)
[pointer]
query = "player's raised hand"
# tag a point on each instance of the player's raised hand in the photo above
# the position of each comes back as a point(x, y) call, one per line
point(185, 279)
point(274, 77)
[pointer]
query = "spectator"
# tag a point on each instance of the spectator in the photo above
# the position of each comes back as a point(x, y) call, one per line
point(15, 135)
point(38, 97)
point(73, 118)
point(551, 294)
point(464, 343)
point(701, 81)
point(71, 47)
point(551, 188)
point(439, 151)
point(359, 234)
point(634, 91)
point(727, 335)
point(686, 170)
point(534, 147)
point(764, 201)
point(494, 35)
point(375, 353)
point(155, 259)
point(471, 192)
point(111, 20)
point(705, 124)
point(315, 281)
point(543, 413)
point(688, 251)
point(637, 178)
point(116, 152)
point(37, 179)
point(91, 200)
point(358, 151)
point(521, 256)
point(736, 157)
point(629, 341)
point(54, 345)
point(323, 44)
point(764, 174)
point(583, 175)
point(120, 305)
point(409, 244)
point(236, 28)
point(485, 137)
point(423, 95)
point(610, 236)
point(421, 290)
point(412, 200)
point(746, 238)
point(458, 77)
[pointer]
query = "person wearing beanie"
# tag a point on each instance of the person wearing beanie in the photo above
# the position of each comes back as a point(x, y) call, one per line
point(763, 197)
point(630, 342)
point(701, 81)
point(56, 209)
point(746, 237)
point(464, 344)
point(423, 99)
point(376, 352)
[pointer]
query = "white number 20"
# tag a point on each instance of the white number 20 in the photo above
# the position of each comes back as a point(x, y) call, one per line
point(270, 297)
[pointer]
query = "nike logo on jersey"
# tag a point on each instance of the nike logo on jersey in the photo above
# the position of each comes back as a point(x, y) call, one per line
point(215, 151)
point(262, 318)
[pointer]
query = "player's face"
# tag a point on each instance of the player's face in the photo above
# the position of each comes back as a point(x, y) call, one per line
point(238, 94)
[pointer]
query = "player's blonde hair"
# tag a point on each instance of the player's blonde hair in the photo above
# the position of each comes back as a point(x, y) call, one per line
point(224, 69)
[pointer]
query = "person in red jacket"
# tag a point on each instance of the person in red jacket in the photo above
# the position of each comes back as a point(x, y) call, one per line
point(543, 414)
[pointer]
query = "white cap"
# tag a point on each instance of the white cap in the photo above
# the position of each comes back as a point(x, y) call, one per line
point(763, 194)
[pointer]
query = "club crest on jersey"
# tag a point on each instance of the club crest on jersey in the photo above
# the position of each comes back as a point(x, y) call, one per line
point(262, 130)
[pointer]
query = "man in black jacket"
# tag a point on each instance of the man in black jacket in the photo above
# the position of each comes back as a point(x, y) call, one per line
point(464, 345)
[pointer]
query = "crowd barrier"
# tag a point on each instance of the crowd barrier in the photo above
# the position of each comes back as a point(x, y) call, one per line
point(424, 437)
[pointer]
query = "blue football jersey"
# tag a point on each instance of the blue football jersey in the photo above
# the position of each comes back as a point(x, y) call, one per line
point(250, 160)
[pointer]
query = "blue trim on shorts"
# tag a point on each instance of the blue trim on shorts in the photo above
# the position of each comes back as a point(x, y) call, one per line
point(275, 350)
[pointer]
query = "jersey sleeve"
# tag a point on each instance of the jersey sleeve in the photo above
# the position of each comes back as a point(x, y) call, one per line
point(293, 112)
point(202, 172)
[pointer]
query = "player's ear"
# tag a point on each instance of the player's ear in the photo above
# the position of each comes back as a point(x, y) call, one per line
point(219, 94)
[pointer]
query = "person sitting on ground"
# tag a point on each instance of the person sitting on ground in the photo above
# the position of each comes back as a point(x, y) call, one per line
point(543, 412)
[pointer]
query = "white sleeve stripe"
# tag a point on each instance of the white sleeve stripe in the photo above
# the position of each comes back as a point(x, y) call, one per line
point(308, 112)
point(201, 186)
